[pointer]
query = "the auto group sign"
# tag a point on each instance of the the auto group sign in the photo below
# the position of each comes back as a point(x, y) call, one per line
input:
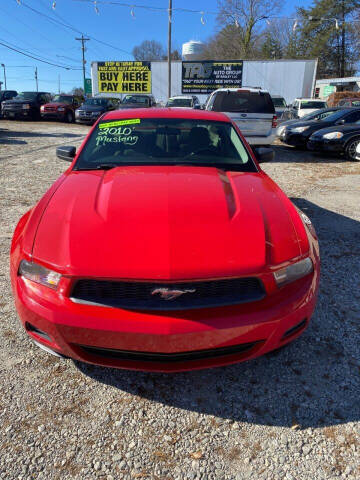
point(124, 77)
point(207, 75)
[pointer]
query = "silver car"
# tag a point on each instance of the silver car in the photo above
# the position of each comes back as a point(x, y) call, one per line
point(250, 108)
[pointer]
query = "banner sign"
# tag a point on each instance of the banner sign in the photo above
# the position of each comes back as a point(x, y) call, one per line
point(88, 87)
point(124, 77)
point(207, 75)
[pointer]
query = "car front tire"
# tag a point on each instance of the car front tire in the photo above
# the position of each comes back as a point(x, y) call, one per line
point(350, 148)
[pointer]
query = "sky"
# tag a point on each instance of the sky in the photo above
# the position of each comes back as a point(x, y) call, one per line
point(37, 35)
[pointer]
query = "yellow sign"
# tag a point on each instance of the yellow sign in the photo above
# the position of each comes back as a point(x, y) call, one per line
point(124, 77)
point(117, 123)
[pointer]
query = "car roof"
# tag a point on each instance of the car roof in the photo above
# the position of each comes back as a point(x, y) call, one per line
point(166, 113)
point(182, 96)
point(237, 89)
point(277, 96)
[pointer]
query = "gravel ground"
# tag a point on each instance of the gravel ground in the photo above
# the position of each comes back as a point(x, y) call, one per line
point(290, 415)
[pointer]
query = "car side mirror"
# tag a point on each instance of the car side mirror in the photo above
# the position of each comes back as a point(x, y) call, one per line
point(264, 154)
point(66, 153)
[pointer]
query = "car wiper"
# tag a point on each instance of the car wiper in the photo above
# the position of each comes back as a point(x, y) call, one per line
point(101, 166)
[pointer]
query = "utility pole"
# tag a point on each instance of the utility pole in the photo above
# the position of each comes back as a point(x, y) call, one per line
point(343, 40)
point(36, 79)
point(169, 48)
point(83, 40)
point(3, 65)
point(59, 83)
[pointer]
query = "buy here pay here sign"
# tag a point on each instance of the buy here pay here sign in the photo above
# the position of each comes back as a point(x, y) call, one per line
point(124, 77)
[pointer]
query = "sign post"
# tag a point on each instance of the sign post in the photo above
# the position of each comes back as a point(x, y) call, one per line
point(88, 87)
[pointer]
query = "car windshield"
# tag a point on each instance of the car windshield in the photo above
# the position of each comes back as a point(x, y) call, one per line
point(279, 102)
point(27, 96)
point(336, 115)
point(136, 99)
point(100, 102)
point(243, 101)
point(318, 115)
point(355, 103)
point(164, 141)
point(312, 104)
point(63, 99)
point(179, 102)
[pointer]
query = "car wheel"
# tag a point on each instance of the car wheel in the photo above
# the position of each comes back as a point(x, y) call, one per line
point(69, 117)
point(350, 148)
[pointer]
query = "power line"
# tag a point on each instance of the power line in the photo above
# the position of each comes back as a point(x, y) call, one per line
point(74, 29)
point(36, 58)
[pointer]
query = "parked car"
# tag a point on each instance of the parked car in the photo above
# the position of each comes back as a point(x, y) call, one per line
point(184, 101)
point(25, 105)
point(93, 108)
point(341, 139)
point(62, 107)
point(6, 95)
point(250, 108)
point(316, 115)
point(349, 102)
point(137, 101)
point(304, 106)
point(280, 105)
point(164, 247)
point(299, 133)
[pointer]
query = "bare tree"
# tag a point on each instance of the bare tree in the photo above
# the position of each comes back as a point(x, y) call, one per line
point(246, 15)
point(149, 50)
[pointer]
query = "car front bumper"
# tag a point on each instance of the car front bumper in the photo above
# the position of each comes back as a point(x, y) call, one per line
point(164, 341)
point(320, 145)
point(294, 139)
point(18, 113)
point(53, 115)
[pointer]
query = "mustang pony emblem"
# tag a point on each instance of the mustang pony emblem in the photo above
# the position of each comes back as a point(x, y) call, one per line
point(168, 294)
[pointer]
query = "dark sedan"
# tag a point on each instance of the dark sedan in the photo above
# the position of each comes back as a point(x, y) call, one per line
point(317, 115)
point(93, 108)
point(299, 133)
point(137, 101)
point(342, 139)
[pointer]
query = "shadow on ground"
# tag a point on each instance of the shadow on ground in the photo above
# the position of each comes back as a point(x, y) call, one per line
point(287, 154)
point(12, 137)
point(314, 382)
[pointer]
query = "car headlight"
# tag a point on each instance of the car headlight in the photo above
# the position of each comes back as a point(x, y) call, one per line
point(293, 272)
point(281, 130)
point(42, 108)
point(39, 274)
point(299, 129)
point(333, 135)
point(26, 106)
point(61, 109)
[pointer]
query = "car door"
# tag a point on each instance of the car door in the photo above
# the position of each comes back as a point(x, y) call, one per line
point(352, 117)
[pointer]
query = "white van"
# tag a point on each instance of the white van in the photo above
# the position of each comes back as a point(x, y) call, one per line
point(250, 108)
point(303, 106)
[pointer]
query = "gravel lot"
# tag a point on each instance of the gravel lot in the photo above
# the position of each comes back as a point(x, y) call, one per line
point(291, 415)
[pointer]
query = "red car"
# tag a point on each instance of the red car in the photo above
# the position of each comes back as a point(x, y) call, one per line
point(164, 247)
point(61, 108)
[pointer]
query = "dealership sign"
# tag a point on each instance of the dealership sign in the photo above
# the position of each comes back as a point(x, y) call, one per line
point(208, 75)
point(124, 77)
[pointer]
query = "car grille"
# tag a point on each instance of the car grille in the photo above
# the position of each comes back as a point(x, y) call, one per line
point(84, 114)
point(168, 296)
point(194, 355)
point(13, 106)
point(50, 109)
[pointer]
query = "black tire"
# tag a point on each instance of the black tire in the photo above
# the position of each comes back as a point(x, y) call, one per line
point(350, 148)
point(69, 117)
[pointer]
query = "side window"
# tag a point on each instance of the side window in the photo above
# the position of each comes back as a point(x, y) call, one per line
point(210, 102)
point(352, 117)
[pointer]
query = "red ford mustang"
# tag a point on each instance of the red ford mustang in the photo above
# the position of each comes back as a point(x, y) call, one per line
point(164, 247)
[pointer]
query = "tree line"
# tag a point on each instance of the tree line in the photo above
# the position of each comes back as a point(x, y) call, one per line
point(248, 29)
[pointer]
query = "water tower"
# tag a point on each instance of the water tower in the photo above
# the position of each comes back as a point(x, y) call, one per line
point(192, 50)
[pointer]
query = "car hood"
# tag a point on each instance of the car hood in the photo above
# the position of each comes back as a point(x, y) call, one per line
point(17, 102)
point(56, 104)
point(167, 223)
point(92, 108)
point(340, 128)
point(306, 111)
point(309, 123)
